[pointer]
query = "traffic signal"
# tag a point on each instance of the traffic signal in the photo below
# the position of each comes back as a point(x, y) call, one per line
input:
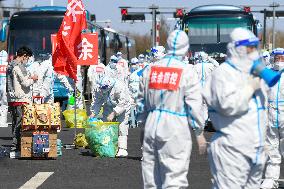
point(247, 9)
point(124, 12)
point(131, 16)
point(179, 13)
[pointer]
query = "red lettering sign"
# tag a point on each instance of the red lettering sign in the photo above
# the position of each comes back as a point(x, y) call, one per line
point(167, 78)
point(88, 49)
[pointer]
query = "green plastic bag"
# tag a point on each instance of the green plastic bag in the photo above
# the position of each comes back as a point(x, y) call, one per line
point(81, 118)
point(103, 138)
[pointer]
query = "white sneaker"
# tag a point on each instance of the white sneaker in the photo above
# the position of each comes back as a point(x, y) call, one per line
point(122, 153)
point(269, 184)
point(15, 154)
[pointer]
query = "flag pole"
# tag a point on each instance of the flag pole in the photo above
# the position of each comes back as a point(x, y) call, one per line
point(75, 110)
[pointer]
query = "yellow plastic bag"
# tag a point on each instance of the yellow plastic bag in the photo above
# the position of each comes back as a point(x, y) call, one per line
point(80, 141)
point(82, 118)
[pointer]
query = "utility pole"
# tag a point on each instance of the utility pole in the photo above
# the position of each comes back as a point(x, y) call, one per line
point(154, 24)
point(264, 28)
point(273, 5)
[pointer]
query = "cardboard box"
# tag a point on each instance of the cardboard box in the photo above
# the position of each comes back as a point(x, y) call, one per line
point(41, 117)
point(27, 144)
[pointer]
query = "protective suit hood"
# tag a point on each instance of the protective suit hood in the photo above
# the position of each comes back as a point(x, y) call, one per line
point(178, 43)
point(279, 65)
point(237, 49)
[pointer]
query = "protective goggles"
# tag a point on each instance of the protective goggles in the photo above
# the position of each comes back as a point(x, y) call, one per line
point(114, 60)
point(278, 52)
point(104, 87)
point(252, 42)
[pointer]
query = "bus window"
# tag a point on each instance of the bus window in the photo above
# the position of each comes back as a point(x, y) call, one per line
point(202, 33)
point(33, 32)
point(213, 34)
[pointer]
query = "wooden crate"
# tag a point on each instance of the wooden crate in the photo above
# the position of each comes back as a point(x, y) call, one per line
point(26, 144)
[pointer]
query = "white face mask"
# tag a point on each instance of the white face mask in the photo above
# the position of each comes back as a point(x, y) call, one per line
point(278, 66)
point(254, 55)
point(30, 61)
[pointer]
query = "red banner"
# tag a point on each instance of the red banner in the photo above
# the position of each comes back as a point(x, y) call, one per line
point(68, 37)
point(166, 78)
point(87, 50)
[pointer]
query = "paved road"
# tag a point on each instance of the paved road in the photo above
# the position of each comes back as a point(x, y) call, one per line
point(78, 169)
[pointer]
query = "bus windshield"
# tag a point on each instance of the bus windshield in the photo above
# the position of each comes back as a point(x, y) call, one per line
point(33, 32)
point(212, 34)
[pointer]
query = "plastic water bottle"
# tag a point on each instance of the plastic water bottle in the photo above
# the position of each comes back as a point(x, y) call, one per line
point(71, 100)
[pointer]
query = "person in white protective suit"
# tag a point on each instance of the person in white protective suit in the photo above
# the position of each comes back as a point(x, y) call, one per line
point(133, 85)
point(158, 52)
point(123, 65)
point(236, 101)
point(113, 95)
point(95, 72)
point(3, 95)
point(116, 71)
point(204, 66)
point(266, 57)
point(275, 131)
point(169, 102)
point(141, 58)
point(142, 61)
point(44, 85)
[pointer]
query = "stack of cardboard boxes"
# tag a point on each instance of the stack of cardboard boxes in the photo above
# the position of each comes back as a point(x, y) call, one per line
point(40, 125)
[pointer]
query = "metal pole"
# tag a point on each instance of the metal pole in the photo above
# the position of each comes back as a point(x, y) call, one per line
point(51, 3)
point(264, 28)
point(75, 111)
point(154, 23)
point(273, 27)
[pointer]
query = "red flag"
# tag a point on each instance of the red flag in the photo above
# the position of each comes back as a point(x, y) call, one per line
point(69, 35)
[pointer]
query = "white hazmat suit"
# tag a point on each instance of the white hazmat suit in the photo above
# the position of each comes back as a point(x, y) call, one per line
point(236, 102)
point(133, 85)
point(44, 85)
point(113, 95)
point(169, 102)
point(275, 131)
point(204, 66)
point(116, 70)
point(95, 73)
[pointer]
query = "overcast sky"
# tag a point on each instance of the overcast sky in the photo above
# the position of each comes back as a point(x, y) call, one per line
point(108, 9)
